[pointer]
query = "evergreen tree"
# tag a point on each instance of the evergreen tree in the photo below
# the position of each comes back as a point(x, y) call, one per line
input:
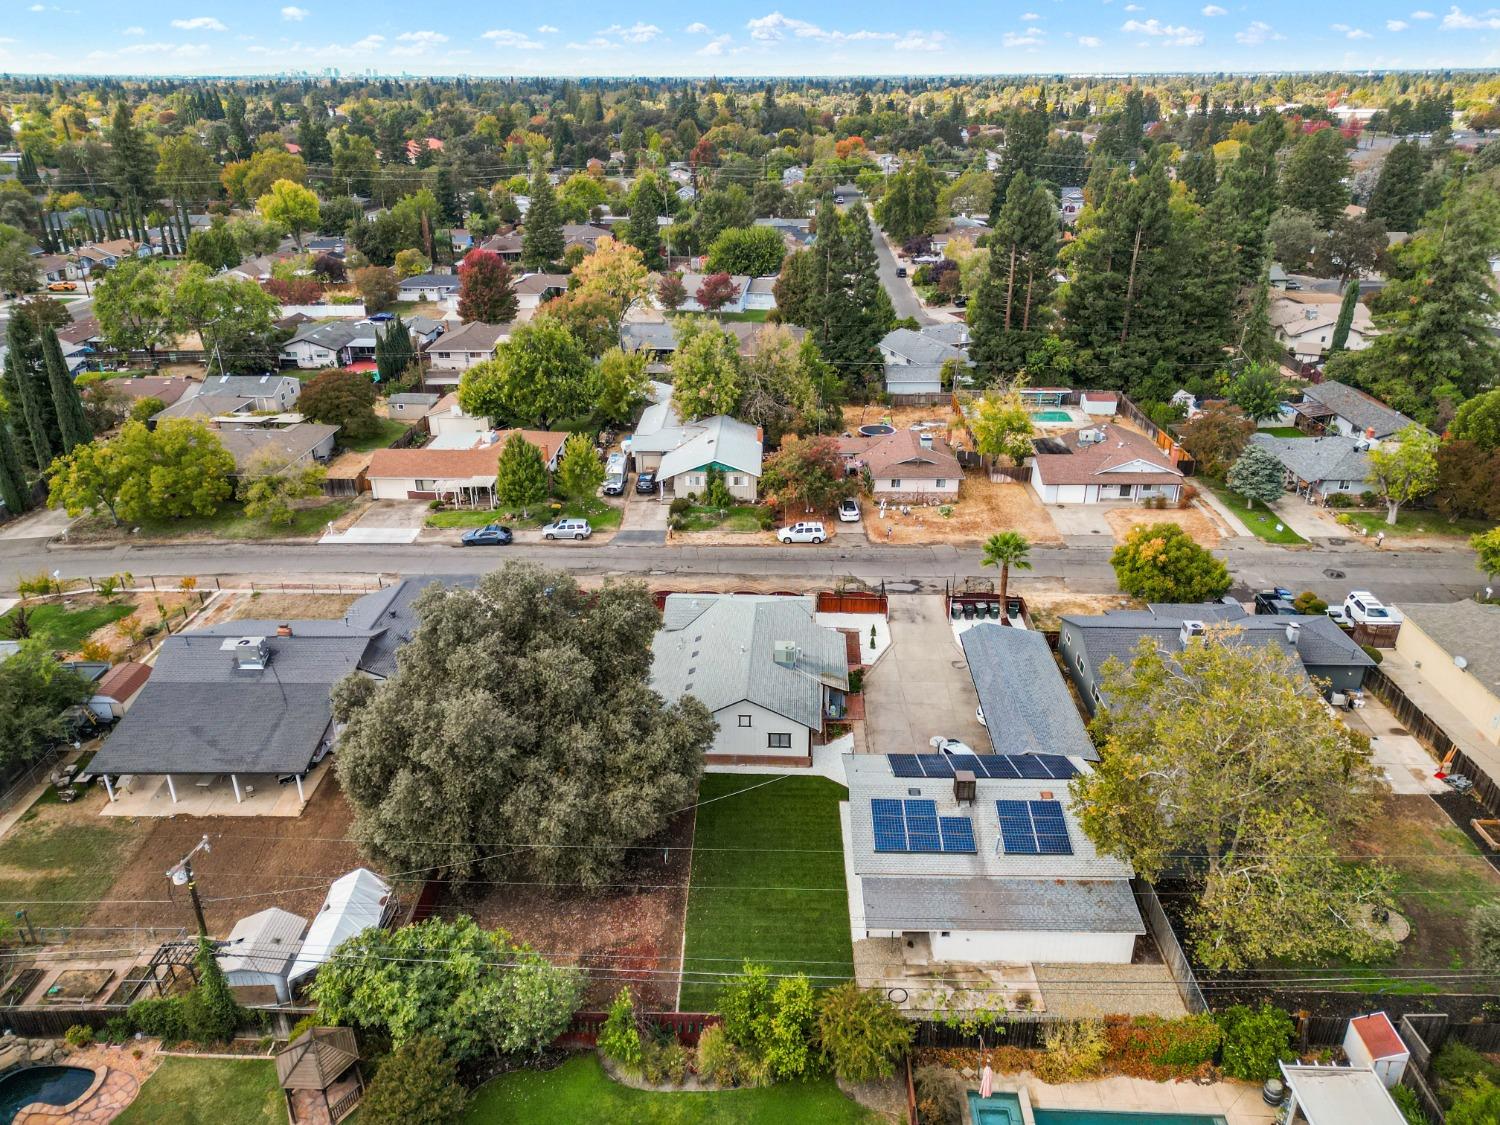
point(642, 232)
point(521, 478)
point(1397, 198)
point(73, 427)
point(1025, 142)
point(909, 205)
point(26, 386)
point(1258, 342)
point(1346, 318)
point(394, 353)
point(132, 162)
point(13, 490)
point(1199, 171)
point(1246, 197)
point(1009, 314)
point(853, 310)
point(542, 237)
point(1313, 179)
point(580, 472)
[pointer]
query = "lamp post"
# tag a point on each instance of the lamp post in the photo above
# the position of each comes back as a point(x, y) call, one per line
point(181, 875)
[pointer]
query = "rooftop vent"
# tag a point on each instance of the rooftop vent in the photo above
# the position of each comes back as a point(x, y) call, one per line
point(1189, 630)
point(785, 653)
point(964, 787)
point(284, 630)
point(925, 440)
point(251, 654)
point(1292, 630)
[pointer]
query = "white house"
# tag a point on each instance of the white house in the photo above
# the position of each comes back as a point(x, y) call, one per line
point(922, 348)
point(1099, 404)
point(771, 675)
point(537, 289)
point(428, 287)
point(908, 465)
point(330, 344)
point(693, 281)
point(453, 467)
point(453, 353)
point(1304, 322)
point(991, 866)
point(446, 420)
point(1107, 462)
point(229, 394)
point(681, 453)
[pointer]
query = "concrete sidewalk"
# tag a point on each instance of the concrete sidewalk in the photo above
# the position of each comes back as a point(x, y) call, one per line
point(1207, 498)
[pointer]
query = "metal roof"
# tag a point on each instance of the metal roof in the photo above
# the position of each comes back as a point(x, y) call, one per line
point(1026, 703)
point(977, 903)
point(264, 942)
point(1338, 1095)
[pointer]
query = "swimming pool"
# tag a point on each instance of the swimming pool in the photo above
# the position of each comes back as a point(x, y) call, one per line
point(1052, 416)
point(1005, 1109)
point(54, 1085)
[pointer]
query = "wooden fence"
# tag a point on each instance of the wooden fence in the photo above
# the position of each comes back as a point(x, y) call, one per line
point(853, 601)
point(1430, 734)
point(1160, 928)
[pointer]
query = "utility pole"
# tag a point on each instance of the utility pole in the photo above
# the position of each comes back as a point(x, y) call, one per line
point(181, 875)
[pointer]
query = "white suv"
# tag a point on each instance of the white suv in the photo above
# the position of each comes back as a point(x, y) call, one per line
point(802, 533)
point(567, 529)
point(1364, 608)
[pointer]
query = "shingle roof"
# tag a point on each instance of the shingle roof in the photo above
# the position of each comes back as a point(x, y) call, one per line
point(1105, 462)
point(978, 903)
point(434, 464)
point(719, 649)
point(293, 443)
point(917, 347)
point(476, 336)
point(1358, 408)
point(1331, 457)
point(902, 455)
point(719, 440)
point(1466, 629)
point(430, 281)
point(246, 386)
point(1026, 703)
point(333, 334)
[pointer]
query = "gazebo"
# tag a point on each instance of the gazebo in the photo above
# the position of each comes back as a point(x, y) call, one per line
point(319, 1073)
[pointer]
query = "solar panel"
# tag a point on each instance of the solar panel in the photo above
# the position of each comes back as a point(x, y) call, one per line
point(1029, 766)
point(922, 826)
point(958, 834)
point(936, 765)
point(1016, 828)
point(1051, 829)
point(905, 765)
point(890, 825)
point(1000, 766)
point(969, 762)
point(1061, 768)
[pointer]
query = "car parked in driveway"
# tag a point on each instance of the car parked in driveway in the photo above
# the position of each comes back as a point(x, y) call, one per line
point(490, 535)
point(1275, 603)
point(805, 532)
point(848, 510)
point(645, 483)
point(1364, 608)
point(567, 529)
point(945, 745)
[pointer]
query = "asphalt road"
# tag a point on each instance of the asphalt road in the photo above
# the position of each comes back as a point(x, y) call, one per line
point(1394, 575)
point(903, 297)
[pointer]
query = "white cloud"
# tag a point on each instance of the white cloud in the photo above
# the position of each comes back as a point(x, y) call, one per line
point(1459, 20)
point(1396, 25)
point(165, 50)
point(775, 27)
point(1031, 37)
point(637, 33)
point(515, 40)
point(1173, 35)
point(698, 29)
point(133, 31)
point(1027, 17)
point(294, 14)
point(595, 44)
point(417, 42)
point(546, 29)
point(199, 23)
point(1090, 41)
point(714, 47)
point(921, 41)
point(33, 8)
point(1258, 32)
point(1350, 32)
point(1423, 15)
point(1214, 10)
point(1134, 8)
point(369, 43)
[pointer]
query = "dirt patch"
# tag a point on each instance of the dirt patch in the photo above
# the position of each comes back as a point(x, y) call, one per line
point(1198, 526)
point(1047, 606)
point(633, 929)
point(254, 862)
point(902, 417)
point(290, 607)
point(984, 507)
point(149, 608)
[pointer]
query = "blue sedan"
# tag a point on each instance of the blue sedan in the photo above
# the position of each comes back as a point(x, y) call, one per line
point(492, 535)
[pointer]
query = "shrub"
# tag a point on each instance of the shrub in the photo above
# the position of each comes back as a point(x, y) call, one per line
point(161, 1019)
point(1341, 500)
point(1369, 498)
point(718, 1058)
point(788, 1048)
point(1186, 495)
point(680, 505)
point(1074, 1051)
point(1458, 1061)
point(1309, 602)
point(861, 1032)
point(1372, 652)
point(1409, 1104)
point(1150, 1047)
point(940, 1096)
point(665, 1060)
point(306, 1023)
point(620, 1037)
point(117, 1029)
point(79, 1035)
point(1484, 937)
point(1345, 520)
point(767, 520)
point(416, 1082)
point(1255, 1040)
point(678, 523)
point(856, 681)
point(1477, 1103)
point(210, 1011)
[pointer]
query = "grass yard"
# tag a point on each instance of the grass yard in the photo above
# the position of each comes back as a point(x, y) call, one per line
point(754, 316)
point(1418, 522)
point(390, 429)
point(1283, 431)
point(1259, 520)
point(744, 518)
point(601, 516)
point(232, 523)
point(767, 882)
point(208, 1092)
point(580, 1091)
point(66, 629)
point(62, 858)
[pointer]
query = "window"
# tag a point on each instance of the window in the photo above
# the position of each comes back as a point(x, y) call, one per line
point(779, 741)
point(895, 482)
point(940, 483)
point(420, 485)
point(736, 481)
point(744, 720)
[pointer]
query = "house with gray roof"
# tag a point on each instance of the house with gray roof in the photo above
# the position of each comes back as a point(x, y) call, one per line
point(428, 286)
point(219, 395)
point(1333, 662)
point(1333, 407)
point(1026, 705)
point(904, 345)
point(681, 453)
point(1317, 467)
point(913, 384)
point(979, 869)
point(772, 676)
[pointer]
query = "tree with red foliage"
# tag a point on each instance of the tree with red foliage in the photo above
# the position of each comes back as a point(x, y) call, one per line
point(294, 291)
point(670, 292)
point(716, 292)
point(806, 473)
point(484, 289)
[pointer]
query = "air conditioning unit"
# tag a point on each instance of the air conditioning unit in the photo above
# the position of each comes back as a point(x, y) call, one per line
point(1090, 437)
point(785, 653)
point(251, 654)
point(1293, 629)
point(1189, 630)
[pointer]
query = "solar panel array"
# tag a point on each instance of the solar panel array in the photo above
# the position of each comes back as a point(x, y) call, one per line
point(1034, 828)
point(914, 826)
point(1004, 767)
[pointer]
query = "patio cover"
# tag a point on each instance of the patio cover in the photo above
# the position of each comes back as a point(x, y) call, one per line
point(355, 903)
point(1338, 1095)
point(315, 1059)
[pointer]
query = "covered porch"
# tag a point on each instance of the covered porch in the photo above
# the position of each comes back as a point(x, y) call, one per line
point(212, 794)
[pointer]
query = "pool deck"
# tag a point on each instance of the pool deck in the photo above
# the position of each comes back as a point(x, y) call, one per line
point(1237, 1102)
point(122, 1075)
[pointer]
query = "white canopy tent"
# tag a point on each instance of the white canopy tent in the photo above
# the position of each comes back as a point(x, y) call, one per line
point(355, 903)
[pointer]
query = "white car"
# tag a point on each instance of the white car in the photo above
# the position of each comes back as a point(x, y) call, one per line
point(1364, 608)
point(568, 529)
point(944, 745)
point(805, 532)
point(1337, 615)
point(848, 510)
point(979, 717)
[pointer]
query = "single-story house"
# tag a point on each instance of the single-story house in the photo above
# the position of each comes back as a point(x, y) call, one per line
point(167, 389)
point(51, 268)
point(537, 289)
point(297, 445)
point(1336, 407)
point(425, 329)
point(693, 281)
point(231, 394)
point(760, 294)
point(1318, 467)
point(463, 476)
point(260, 950)
point(507, 244)
point(1085, 642)
point(906, 346)
point(332, 343)
point(913, 382)
point(116, 690)
point(84, 332)
point(954, 333)
point(658, 338)
point(356, 902)
point(796, 234)
point(409, 406)
point(1455, 649)
point(1107, 462)
point(980, 868)
point(325, 244)
point(447, 420)
point(681, 453)
point(428, 286)
point(586, 235)
point(94, 256)
point(1304, 321)
point(453, 353)
point(1337, 1095)
point(1026, 704)
point(904, 466)
point(772, 676)
point(959, 227)
point(1070, 204)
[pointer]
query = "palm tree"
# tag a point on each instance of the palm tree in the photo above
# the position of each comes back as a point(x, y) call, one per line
point(1007, 549)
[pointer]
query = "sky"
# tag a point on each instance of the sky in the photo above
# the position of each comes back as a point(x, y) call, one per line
point(737, 37)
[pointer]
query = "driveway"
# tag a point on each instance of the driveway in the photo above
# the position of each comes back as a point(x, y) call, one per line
point(1082, 525)
point(1308, 521)
point(384, 521)
point(44, 523)
point(644, 521)
point(1403, 761)
point(921, 687)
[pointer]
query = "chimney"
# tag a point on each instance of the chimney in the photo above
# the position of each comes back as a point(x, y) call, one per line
point(964, 788)
point(284, 630)
point(1189, 630)
point(1293, 629)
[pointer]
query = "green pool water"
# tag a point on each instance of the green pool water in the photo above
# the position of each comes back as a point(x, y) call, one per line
point(1005, 1109)
point(1052, 416)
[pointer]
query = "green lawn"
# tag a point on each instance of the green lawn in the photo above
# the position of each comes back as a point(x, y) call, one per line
point(580, 1091)
point(775, 893)
point(755, 316)
point(1282, 431)
point(209, 1092)
point(743, 518)
point(232, 523)
point(390, 429)
point(66, 629)
point(1258, 519)
point(52, 856)
point(1419, 521)
point(601, 516)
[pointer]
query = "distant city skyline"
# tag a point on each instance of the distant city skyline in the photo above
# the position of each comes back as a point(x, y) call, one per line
point(833, 38)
